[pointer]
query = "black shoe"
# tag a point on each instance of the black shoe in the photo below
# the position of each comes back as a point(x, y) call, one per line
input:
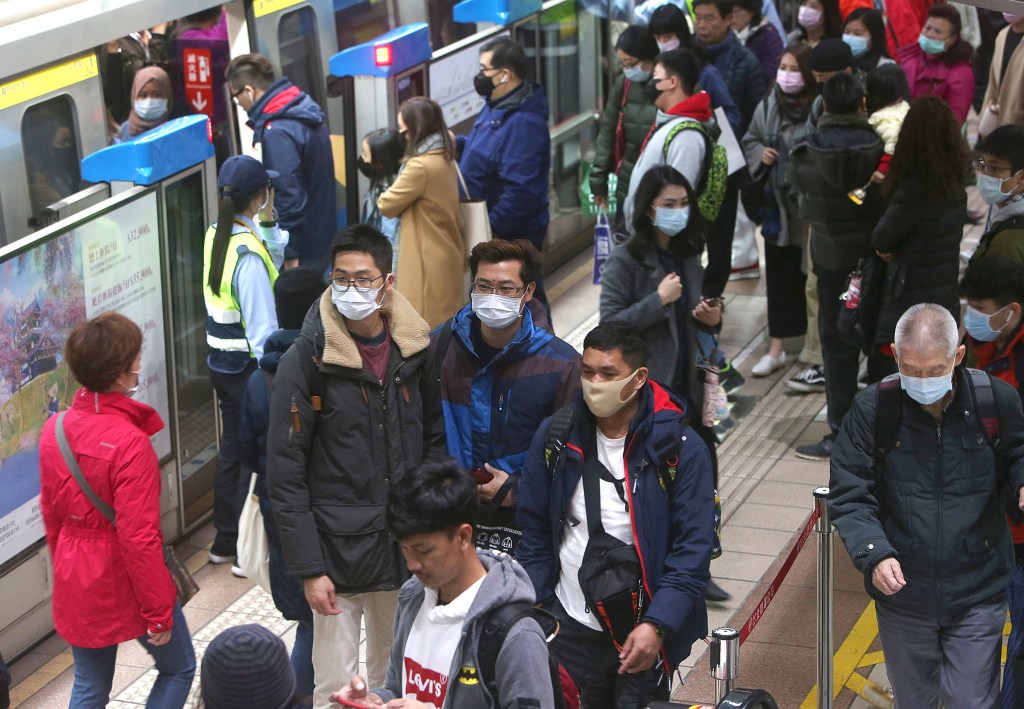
point(808, 381)
point(730, 379)
point(817, 451)
point(715, 593)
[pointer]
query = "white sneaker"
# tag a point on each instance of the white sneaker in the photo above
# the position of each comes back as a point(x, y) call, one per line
point(768, 364)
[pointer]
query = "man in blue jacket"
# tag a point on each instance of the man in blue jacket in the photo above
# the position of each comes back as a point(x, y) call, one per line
point(506, 158)
point(501, 375)
point(295, 142)
point(656, 494)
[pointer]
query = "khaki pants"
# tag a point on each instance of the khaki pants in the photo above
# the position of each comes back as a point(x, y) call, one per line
point(811, 353)
point(336, 643)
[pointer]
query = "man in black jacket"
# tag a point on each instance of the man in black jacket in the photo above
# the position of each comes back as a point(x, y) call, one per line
point(827, 165)
point(354, 406)
point(923, 520)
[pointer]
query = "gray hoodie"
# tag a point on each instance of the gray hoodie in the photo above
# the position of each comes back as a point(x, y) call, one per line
point(522, 668)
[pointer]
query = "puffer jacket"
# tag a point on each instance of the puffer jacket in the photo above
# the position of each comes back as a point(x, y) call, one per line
point(521, 670)
point(742, 73)
point(110, 584)
point(827, 165)
point(887, 122)
point(673, 534)
point(329, 473)
point(935, 505)
point(537, 371)
point(506, 160)
point(765, 43)
point(923, 230)
point(288, 594)
point(638, 116)
point(292, 131)
point(929, 75)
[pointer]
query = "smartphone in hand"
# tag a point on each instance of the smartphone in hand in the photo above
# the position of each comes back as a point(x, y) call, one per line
point(481, 476)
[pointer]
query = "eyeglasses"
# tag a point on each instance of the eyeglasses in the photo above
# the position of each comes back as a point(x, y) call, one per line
point(629, 65)
point(236, 94)
point(985, 169)
point(362, 285)
point(506, 291)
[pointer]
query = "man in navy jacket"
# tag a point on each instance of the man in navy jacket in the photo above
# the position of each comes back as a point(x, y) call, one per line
point(656, 494)
point(295, 141)
point(506, 158)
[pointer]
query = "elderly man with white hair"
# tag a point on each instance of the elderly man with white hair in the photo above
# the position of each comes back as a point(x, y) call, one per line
point(917, 494)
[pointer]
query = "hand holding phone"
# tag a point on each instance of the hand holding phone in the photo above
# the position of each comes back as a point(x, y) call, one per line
point(350, 703)
point(481, 476)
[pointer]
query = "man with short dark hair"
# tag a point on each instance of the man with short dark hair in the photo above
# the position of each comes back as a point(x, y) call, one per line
point(1001, 184)
point(444, 610)
point(921, 514)
point(292, 131)
point(506, 158)
point(355, 405)
point(620, 468)
point(501, 375)
point(841, 156)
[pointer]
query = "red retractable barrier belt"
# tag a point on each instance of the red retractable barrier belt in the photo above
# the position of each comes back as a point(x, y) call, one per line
point(769, 595)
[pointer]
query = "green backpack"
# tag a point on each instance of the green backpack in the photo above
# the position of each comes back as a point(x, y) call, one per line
point(713, 173)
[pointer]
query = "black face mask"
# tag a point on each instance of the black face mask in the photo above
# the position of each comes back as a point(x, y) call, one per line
point(483, 85)
point(652, 90)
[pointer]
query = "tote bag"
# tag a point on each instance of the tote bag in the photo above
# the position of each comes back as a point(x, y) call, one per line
point(253, 547)
point(476, 224)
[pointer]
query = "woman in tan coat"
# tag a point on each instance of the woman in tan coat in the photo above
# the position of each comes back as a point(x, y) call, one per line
point(1005, 94)
point(425, 197)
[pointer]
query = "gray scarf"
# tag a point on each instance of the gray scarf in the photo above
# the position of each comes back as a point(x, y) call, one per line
point(434, 141)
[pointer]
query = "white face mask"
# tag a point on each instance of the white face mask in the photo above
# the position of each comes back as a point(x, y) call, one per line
point(604, 399)
point(669, 45)
point(496, 311)
point(130, 392)
point(149, 109)
point(354, 305)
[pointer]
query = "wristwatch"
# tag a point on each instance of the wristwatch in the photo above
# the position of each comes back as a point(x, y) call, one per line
point(661, 630)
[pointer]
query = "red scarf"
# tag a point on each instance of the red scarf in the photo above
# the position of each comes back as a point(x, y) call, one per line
point(697, 107)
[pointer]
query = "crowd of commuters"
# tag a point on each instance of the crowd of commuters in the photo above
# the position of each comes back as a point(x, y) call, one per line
point(432, 464)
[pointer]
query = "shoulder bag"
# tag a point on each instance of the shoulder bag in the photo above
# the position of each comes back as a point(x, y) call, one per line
point(183, 581)
point(476, 223)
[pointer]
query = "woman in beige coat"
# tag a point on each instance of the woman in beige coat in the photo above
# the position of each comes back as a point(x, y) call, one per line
point(1005, 93)
point(425, 197)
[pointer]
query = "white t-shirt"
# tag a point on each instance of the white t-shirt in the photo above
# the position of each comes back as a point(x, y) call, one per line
point(614, 517)
point(432, 644)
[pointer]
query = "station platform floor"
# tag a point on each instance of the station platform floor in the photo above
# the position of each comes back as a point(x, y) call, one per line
point(766, 500)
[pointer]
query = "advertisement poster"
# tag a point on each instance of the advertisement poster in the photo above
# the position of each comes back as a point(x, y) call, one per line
point(111, 263)
point(451, 85)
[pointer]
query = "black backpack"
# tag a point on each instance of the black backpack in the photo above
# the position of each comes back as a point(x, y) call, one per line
point(889, 413)
point(492, 639)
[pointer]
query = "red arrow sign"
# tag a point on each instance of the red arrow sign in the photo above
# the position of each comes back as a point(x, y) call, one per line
point(199, 79)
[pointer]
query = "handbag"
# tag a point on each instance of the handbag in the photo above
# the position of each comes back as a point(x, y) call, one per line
point(183, 581)
point(476, 223)
point(602, 244)
point(861, 300)
point(610, 575)
point(620, 128)
point(253, 545)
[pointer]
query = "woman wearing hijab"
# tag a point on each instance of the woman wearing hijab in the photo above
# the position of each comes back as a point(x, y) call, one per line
point(151, 103)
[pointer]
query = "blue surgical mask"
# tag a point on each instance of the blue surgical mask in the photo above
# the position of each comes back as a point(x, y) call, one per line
point(149, 109)
point(858, 45)
point(671, 221)
point(927, 390)
point(991, 189)
point(931, 46)
point(636, 73)
point(979, 325)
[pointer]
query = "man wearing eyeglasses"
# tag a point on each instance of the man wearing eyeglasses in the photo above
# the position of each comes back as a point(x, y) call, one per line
point(355, 405)
point(1001, 184)
point(501, 374)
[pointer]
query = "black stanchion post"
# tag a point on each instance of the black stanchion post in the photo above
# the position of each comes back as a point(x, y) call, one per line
point(825, 640)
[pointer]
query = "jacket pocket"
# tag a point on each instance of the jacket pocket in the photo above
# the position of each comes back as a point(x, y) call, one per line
point(357, 549)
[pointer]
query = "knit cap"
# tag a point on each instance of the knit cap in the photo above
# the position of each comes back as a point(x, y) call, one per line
point(831, 55)
point(247, 667)
point(294, 292)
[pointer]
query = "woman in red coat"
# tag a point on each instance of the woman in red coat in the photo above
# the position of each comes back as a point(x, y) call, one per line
point(110, 584)
point(940, 63)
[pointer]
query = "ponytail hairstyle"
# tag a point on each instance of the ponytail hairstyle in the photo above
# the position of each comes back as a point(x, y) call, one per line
point(230, 205)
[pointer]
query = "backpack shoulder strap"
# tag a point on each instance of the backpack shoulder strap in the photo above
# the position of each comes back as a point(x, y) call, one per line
point(444, 341)
point(492, 639)
point(558, 435)
point(888, 413)
point(709, 148)
point(985, 407)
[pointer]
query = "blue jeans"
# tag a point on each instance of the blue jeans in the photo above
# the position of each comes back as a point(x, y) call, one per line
point(175, 661)
point(302, 658)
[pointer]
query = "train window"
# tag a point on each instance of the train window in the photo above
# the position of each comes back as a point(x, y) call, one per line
point(52, 159)
point(444, 30)
point(300, 52)
point(359, 21)
point(555, 41)
point(410, 86)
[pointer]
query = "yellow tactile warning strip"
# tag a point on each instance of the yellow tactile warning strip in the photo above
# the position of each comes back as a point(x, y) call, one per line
point(855, 654)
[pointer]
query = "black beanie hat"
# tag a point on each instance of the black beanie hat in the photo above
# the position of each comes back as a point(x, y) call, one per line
point(295, 290)
point(637, 41)
point(831, 55)
point(247, 667)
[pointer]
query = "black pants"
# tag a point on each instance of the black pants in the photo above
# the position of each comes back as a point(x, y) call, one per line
point(593, 663)
point(841, 356)
point(785, 282)
point(720, 235)
point(228, 489)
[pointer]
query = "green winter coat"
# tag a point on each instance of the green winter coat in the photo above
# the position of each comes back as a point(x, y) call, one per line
point(639, 115)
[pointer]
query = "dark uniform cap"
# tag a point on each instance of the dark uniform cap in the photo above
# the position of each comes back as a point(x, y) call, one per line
point(246, 175)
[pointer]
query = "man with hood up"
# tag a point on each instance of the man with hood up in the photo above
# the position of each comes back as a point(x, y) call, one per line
point(295, 141)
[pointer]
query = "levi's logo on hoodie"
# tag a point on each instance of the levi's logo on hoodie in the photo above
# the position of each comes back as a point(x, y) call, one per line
point(425, 684)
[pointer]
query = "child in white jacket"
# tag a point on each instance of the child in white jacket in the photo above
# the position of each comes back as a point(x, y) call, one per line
point(887, 94)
